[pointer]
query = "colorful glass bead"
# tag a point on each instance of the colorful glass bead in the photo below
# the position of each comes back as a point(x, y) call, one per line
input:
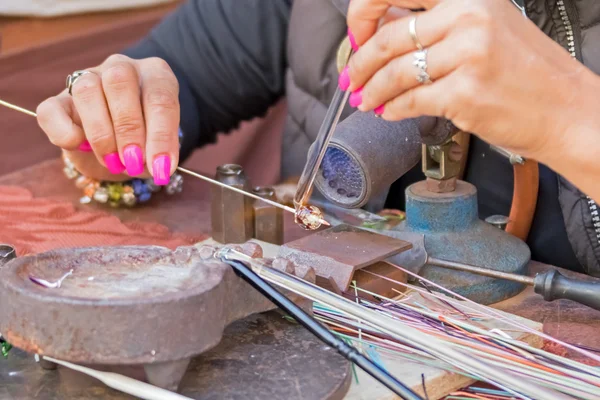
point(144, 197)
point(139, 186)
point(5, 348)
point(151, 186)
point(85, 200)
point(81, 182)
point(90, 189)
point(70, 173)
point(175, 185)
point(115, 191)
point(128, 196)
point(101, 195)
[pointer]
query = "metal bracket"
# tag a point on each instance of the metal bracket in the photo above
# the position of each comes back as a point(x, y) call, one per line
point(440, 161)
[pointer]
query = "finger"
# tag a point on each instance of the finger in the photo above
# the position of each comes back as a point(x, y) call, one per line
point(400, 75)
point(394, 40)
point(57, 117)
point(89, 100)
point(364, 15)
point(432, 100)
point(121, 84)
point(160, 100)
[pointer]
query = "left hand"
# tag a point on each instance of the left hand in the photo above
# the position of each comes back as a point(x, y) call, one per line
point(494, 72)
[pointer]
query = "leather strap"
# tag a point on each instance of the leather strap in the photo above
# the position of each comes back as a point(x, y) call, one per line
point(525, 190)
point(524, 201)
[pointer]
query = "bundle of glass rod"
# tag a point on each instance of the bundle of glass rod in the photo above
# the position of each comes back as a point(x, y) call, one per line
point(449, 340)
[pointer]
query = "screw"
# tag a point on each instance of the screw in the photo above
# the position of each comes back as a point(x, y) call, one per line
point(499, 221)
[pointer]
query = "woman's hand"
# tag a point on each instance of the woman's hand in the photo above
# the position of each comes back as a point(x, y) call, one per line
point(121, 120)
point(493, 72)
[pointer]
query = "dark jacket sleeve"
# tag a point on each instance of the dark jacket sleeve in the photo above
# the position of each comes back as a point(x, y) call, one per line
point(229, 57)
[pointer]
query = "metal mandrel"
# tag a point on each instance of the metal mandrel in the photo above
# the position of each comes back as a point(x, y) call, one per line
point(268, 219)
point(232, 217)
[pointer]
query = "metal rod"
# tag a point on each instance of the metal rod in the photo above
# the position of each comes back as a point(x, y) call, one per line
point(271, 202)
point(187, 171)
point(315, 157)
point(480, 271)
point(123, 383)
point(215, 182)
point(17, 108)
point(321, 332)
point(512, 157)
point(390, 326)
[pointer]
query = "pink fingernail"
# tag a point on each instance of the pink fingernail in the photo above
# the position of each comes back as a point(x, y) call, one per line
point(356, 98)
point(352, 40)
point(344, 79)
point(113, 163)
point(85, 147)
point(379, 110)
point(134, 160)
point(161, 170)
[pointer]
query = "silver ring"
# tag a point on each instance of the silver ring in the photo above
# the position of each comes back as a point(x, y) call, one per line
point(71, 79)
point(420, 62)
point(412, 29)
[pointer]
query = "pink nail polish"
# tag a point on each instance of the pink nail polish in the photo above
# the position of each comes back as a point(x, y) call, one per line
point(352, 40)
point(85, 147)
point(344, 79)
point(134, 160)
point(356, 98)
point(379, 110)
point(161, 170)
point(113, 163)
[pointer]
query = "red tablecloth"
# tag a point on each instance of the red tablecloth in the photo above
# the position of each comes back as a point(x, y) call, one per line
point(35, 225)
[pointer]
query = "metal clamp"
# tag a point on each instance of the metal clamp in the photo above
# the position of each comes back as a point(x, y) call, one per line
point(441, 166)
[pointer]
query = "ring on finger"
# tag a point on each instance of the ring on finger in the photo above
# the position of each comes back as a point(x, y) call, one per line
point(420, 61)
point(72, 78)
point(412, 30)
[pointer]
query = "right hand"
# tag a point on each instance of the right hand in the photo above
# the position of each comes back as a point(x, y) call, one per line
point(127, 112)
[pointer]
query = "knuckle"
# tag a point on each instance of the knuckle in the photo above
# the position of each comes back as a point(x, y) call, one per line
point(100, 136)
point(467, 91)
point(45, 110)
point(164, 138)
point(356, 66)
point(384, 40)
point(158, 64)
point(86, 88)
point(119, 76)
point(481, 49)
point(396, 72)
point(128, 126)
point(63, 140)
point(476, 13)
point(116, 59)
point(411, 101)
point(161, 100)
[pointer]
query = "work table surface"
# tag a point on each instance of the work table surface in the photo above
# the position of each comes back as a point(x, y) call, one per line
point(189, 212)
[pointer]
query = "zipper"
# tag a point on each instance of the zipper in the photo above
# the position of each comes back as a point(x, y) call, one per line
point(568, 27)
point(592, 206)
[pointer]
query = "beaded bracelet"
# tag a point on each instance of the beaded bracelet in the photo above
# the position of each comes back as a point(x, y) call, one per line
point(116, 194)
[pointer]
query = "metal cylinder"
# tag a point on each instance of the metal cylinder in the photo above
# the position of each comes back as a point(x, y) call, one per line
point(268, 219)
point(367, 154)
point(232, 216)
